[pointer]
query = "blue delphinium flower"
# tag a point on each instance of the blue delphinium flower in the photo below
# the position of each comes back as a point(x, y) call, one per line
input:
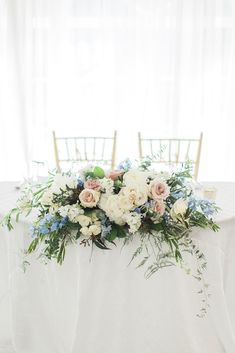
point(192, 204)
point(148, 204)
point(137, 210)
point(63, 222)
point(166, 217)
point(80, 183)
point(206, 207)
point(58, 224)
point(32, 230)
point(125, 165)
point(177, 194)
point(44, 230)
point(48, 217)
point(105, 230)
point(55, 226)
point(42, 222)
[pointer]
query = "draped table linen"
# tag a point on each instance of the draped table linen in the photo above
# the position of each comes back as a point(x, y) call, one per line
point(96, 303)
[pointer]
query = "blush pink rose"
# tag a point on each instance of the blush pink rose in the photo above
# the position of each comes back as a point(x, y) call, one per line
point(159, 207)
point(92, 184)
point(114, 174)
point(159, 189)
point(89, 198)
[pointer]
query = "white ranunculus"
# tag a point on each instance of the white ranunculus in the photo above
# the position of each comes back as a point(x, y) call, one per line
point(95, 229)
point(84, 221)
point(135, 178)
point(179, 208)
point(86, 231)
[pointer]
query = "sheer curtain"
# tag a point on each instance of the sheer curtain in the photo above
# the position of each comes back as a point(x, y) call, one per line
point(164, 67)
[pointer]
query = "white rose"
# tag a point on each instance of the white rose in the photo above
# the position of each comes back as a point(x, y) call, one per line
point(84, 221)
point(85, 231)
point(125, 203)
point(136, 196)
point(135, 178)
point(179, 208)
point(95, 229)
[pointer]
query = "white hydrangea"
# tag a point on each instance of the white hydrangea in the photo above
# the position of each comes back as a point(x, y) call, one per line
point(133, 220)
point(107, 185)
point(61, 181)
point(71, 211)
point(113, 208)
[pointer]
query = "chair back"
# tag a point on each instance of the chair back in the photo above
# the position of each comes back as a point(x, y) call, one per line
point(172, 151)
point(73, 150)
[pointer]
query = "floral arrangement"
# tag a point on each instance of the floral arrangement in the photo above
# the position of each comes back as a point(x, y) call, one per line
point(96, 208)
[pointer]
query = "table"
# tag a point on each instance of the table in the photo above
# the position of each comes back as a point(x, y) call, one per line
point(104, 306)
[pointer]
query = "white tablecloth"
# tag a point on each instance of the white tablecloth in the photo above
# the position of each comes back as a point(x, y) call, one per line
point(105, 306)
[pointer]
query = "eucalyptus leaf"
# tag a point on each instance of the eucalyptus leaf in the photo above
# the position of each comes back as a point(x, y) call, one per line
point(112, 235)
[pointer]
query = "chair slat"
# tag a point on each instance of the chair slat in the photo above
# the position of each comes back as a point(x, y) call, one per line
point(151, 147)
point(188, 148)
point(94, 145)
point(103, 147)
point(170, 151)
point(85, 150)
point(67, 148)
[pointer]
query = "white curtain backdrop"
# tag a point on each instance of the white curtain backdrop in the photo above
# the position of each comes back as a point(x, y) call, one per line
point(164, 67)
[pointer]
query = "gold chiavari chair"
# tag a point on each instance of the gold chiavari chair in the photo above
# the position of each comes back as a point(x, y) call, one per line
point(172, 151)
point(83, 150)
